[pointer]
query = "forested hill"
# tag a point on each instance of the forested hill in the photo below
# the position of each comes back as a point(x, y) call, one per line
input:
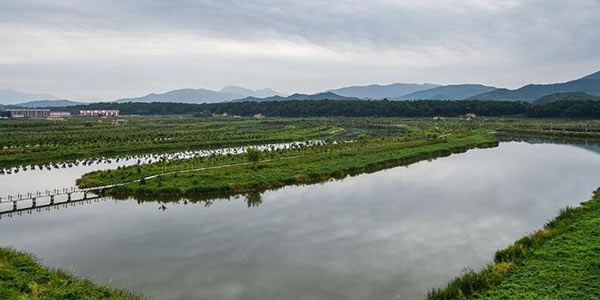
point(573, 96)
point(358, 108)
point(589, 84)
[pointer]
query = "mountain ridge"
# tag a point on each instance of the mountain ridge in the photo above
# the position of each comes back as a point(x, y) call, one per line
point(196, 96)
point(297, 96)
point(378, 92)
point(49, 103)
point(450, 92)
point(589, 84)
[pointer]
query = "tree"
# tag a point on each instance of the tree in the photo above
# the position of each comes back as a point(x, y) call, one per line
point(253, 155)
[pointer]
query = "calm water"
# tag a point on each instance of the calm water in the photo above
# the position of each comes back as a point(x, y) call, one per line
point(40, 180)
point(393, 234)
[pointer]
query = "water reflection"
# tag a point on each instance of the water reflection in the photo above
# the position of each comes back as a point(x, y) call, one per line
point(62, 175)
point(387, 235)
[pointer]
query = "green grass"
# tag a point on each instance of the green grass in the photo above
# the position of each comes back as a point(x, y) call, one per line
point(22, 278)
point(559, 262)
point(295, 166)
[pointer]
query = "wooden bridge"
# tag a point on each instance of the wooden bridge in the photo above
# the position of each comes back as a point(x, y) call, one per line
point(41, 199)
point(47, 206)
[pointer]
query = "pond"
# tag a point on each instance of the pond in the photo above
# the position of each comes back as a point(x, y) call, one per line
point(392, 234)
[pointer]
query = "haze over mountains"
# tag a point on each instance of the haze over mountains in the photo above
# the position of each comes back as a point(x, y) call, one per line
point(49, 103)
point(8, 96)
point(204, 95)
point(378, 92)
point(318, 96)
point(586, 87)
point(450, 92)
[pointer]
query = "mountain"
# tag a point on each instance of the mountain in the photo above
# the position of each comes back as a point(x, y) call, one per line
point(8, 96)
point(244, 92)
point(202, 95)
point(319, 96)
point(50, 103)
point(594, 76)
point(449, 92)
point(571, 96)
point(589, 84)
point(185, 96)
point(375, 91)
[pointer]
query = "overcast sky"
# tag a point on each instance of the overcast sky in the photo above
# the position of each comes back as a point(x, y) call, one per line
point(108, 49)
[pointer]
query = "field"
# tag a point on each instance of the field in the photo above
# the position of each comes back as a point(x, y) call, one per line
point(41, 142)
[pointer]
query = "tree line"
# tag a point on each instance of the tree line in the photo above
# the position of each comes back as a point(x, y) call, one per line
point(359, 108)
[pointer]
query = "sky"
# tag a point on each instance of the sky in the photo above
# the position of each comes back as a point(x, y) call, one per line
point(108, 49)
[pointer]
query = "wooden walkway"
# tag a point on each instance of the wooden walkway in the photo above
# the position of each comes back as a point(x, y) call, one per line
point(33, 200)
point(50, 197)
point(47, 206)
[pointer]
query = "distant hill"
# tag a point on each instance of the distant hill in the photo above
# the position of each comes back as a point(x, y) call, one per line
point(49, 103)
point(244, 92)
point(202, 95)
point(375, 91)
point(589, 84)
point(571, 96)
point(450, 92)
point(184, 96)
point(319, 96)
point(8, 96)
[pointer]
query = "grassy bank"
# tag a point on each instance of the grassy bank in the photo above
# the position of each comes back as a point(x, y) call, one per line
point(21, 277)
point(279, 168)
point(553, 133)
point(560, 261)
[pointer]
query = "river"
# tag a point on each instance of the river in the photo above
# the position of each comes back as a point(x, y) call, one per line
point(392, 234)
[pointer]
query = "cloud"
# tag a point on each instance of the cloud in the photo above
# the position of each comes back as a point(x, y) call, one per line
point(297, 45)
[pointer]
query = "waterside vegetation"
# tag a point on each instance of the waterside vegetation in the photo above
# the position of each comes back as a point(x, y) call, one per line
point(560, 261)
point(22, 277)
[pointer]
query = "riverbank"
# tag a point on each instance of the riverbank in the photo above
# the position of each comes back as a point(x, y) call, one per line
point(303, 165)
point(560, 261)
point(21, 277)
point(552, 133)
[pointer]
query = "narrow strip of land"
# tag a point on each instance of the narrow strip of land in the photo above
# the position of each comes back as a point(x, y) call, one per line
point(293, 166)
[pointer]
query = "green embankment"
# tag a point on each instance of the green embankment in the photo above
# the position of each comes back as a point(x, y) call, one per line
point(561, 261)
point(279, 168)
point(21, 278)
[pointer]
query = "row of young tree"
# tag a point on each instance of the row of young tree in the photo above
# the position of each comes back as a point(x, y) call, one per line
point(326, 108)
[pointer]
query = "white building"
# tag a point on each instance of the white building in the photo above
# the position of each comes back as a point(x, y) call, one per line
point(99, 113)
